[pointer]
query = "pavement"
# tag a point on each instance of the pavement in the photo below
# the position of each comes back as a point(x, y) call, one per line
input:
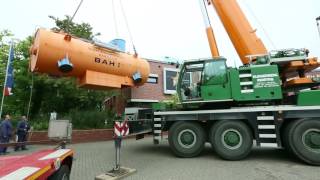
point(158, 162)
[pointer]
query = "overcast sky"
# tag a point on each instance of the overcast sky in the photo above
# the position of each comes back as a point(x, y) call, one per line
point(172, 28)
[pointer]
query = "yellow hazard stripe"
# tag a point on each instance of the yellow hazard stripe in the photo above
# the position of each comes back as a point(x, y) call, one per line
point(47, 168)
point(70, 153)
point(39, 173)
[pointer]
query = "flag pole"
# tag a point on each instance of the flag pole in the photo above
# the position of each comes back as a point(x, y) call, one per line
point(30, 98)
point(5, 79)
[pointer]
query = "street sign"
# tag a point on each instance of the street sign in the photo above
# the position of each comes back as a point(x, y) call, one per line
point(121, 128)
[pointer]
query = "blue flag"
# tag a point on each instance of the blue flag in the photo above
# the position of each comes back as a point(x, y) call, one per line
point(9, 73)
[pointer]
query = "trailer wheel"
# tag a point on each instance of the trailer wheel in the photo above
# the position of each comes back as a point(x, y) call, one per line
point(63, 173)
point(186, 139)
point(304, 140)
point(231, 140)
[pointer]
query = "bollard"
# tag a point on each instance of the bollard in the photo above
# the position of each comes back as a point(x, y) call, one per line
point(117, 143)
point(118, 172)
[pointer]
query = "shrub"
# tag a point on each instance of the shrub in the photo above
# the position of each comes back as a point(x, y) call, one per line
point(41, 125)
point(40, 122)
point(91, 119)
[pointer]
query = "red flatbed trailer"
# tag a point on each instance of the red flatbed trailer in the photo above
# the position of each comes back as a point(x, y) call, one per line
point(44, 164)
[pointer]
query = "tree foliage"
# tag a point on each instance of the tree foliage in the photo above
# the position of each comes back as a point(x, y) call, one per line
point(49, 93)
point(16, 104)
point(83, 30)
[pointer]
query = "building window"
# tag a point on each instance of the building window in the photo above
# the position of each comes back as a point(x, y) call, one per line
point(170, 78)
point(153, 79)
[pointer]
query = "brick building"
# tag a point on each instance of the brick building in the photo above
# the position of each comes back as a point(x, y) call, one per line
point(160, 86)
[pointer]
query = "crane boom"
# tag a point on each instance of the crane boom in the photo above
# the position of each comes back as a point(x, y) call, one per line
point(240, 32)
point(210, 34)
point(292, 63)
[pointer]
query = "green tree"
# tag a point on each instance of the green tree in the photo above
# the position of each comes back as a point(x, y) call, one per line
point(82, 30)
point(62, 94)
point(4, 49)
point(17, 103)
point(49, 93)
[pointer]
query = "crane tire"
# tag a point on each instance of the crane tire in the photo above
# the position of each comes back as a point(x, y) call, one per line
point(285, 137)
point(186, 139)
point(304, 140)
point(231, 140)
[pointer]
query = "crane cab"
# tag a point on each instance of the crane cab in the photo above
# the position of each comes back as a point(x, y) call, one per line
point(204, 81)
point(211, 81)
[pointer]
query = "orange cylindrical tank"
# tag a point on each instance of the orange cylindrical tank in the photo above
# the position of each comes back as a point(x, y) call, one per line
point(94, 66)
point(239, 29)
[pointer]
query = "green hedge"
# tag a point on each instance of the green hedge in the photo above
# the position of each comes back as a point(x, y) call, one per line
point(79, 119)
point(91, 119)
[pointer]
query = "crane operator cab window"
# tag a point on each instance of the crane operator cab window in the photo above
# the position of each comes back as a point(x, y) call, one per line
point(191, 82)
point(215, 85)
point(215, 72)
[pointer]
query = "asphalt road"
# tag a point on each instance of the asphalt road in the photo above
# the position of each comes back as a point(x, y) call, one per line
point(157, 162)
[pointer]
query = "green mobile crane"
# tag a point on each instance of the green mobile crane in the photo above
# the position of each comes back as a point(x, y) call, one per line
point(269, 99)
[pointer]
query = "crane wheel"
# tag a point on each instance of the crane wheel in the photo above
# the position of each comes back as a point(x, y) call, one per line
point(186, 139)
point(231, 140)
point(285, 137)
point(304, 140)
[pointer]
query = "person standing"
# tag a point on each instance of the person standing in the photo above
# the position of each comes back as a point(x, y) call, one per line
point(5, 133)
point(22, 131)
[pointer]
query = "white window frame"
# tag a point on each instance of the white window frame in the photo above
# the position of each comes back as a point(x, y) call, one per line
point(165, 90)
point(153, 76)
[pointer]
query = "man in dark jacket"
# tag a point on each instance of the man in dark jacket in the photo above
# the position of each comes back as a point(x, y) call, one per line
point(22, 131)
point(5, 133)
